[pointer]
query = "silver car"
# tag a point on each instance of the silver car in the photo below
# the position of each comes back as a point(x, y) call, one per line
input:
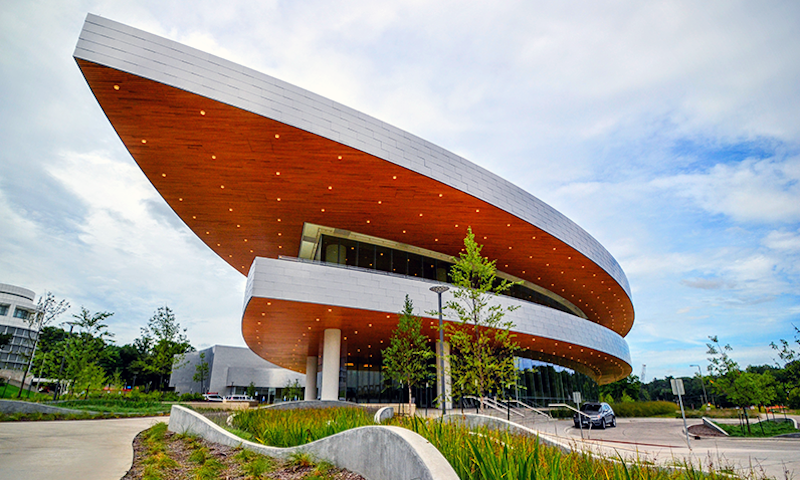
point(598, 415)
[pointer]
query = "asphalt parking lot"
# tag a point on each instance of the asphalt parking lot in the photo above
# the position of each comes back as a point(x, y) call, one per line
point(662, 440)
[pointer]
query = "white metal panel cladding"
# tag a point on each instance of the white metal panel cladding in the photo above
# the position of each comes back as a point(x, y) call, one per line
point(325, 284)
point(143, 54)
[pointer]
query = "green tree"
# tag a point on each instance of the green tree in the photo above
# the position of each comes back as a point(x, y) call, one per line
point(483, 347)
point(47, 310)
point(788, 375)
point(251, 390)
point(743, 389)
point(407, 358)
point(5, 339)
point(293, 389)
point(629, 386)
point(84, 350)
point(201, 372)
point(165, 343)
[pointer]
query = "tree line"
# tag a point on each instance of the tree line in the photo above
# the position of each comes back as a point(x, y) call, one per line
point(725, 384)
point(81, 356)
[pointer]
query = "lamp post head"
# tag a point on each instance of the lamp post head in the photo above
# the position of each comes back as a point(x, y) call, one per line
point(439, 289)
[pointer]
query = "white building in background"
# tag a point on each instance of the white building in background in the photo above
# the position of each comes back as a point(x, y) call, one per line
point(16, 311)
point(230, 371)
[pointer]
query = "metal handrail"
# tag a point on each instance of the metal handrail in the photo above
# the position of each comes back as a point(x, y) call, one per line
point(536, 410)
point(493, 404)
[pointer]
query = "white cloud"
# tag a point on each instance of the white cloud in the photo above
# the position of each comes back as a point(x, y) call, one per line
point(762, 191)
point(783, 241)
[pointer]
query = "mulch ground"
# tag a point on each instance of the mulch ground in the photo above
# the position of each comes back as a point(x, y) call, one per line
point(704, 431)
point(179, 450)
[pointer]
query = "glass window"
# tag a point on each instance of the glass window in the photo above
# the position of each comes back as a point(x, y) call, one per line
point(383, 259)
point(400, 262)
point(4, 310)
point(350, 252)
point(429, 268)
point(20, 313)
point(332, 252)
point(414, 265)
point(366, 255)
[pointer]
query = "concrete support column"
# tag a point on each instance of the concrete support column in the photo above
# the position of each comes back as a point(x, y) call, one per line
point(331, 350)
point(448, 384)
point(311, 378)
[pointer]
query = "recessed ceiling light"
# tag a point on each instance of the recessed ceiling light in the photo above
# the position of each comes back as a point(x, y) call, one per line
point(116, 87)
point(202, 112)
point(277, 136)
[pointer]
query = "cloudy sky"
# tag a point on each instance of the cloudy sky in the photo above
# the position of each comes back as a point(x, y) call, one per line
point(670, 131)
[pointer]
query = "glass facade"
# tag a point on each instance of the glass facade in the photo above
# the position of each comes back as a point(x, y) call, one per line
point(538, 384)
point(353, 253)
point(14, 356)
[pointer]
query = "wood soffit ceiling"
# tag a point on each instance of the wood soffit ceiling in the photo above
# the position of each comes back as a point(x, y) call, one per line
point(285, 332)
point(245, 184)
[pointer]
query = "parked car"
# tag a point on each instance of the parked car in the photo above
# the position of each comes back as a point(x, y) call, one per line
point(239, 398)
point(597, 414)
point(212, 397)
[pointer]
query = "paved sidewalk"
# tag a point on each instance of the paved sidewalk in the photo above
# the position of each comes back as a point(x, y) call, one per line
point(70, 449)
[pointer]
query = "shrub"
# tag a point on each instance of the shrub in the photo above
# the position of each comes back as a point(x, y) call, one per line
point(191, 397)
point(643, 409)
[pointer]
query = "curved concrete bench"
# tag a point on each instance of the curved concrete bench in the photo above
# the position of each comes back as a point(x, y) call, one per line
point(384, 413)
point(375, 452)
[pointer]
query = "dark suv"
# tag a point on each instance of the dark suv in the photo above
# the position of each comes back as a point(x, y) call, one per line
point(599, 414)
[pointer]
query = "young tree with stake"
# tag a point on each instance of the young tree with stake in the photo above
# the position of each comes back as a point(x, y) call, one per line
point(483, 347)
point(407, 358)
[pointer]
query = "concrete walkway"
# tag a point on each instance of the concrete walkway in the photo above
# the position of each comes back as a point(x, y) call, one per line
point(76, 449)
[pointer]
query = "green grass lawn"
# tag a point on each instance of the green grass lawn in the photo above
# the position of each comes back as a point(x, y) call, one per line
point(119, 406)
point(9, 392)
point(759, 429)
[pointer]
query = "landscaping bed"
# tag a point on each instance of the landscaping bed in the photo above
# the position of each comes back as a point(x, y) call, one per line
point(160, 454)
point(475, 454)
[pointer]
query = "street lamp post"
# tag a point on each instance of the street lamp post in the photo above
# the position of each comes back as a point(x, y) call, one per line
point(440, 289)
point(702, 383)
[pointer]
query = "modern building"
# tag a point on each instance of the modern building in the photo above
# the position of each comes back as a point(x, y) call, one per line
point(231, 370)
point(335, 216)
point(17, 311)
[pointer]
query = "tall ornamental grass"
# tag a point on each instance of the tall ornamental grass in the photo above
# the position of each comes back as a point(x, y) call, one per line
point(289, 428)
point(475, 454)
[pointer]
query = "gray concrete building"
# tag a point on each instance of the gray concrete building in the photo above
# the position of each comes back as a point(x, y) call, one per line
point(230, 371)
